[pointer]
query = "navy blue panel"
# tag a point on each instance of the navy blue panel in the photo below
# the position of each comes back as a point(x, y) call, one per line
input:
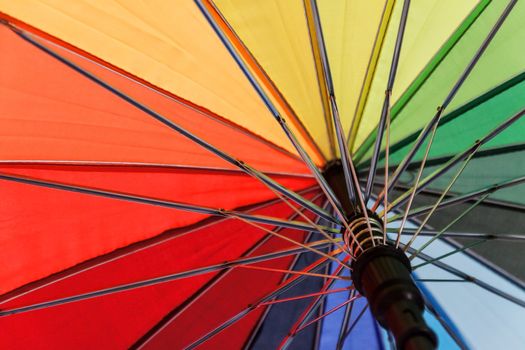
point(282, 316)
point(364, 335)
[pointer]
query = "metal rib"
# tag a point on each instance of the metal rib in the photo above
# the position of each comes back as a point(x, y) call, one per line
point(346, 320)
point(331, 311)
point(352, 326)
point(166, 236)
point(308, 312)
point(249, 342)
point(386, 101)
point(336, 120)
point(413, 194)
point(162, 203)
point(469, 235)
point(448, 328)
point(162, 279)
point(449, 225)
point(455, 251)
point(171, 316)
point(440, 199)
point(221, 154)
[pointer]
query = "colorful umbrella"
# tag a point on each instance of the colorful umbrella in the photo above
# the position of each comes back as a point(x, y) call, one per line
point(236, 174)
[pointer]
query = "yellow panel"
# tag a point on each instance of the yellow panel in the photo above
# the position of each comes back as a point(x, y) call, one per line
point(350, 28)
point(429, 25)
point(168, 43)
point(276, 34)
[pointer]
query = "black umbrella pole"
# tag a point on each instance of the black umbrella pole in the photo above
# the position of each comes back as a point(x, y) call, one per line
point(382, 273)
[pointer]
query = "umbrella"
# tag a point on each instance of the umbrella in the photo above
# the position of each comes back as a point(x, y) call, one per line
point(262, 174)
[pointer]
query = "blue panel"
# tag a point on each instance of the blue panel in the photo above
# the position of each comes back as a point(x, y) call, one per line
point(364, 335)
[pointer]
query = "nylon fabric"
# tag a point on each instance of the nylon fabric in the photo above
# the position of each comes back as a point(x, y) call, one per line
point(168, 44)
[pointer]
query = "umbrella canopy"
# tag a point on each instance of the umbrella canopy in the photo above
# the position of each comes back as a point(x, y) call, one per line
point(226, 174)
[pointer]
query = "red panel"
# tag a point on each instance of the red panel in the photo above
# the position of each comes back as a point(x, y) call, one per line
point(50, 112)
point(117, 321)
point(46, 230)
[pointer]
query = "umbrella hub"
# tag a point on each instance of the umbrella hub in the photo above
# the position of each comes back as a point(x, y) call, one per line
point(381, 272)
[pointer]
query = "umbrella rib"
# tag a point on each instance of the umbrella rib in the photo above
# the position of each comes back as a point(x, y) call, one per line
point(437, 117)
point(469, 152)
point(318, 329)
point(163, 279)
point(469, 235)
point(327, 86)
point(455, 251)
point(319, 229)
point(158, 202)
point(309, 310)
point(385, 112)
point(148, 336)
point(458, 112)
point(487, 202)
point(413, 194)
point(354, 324)
point(79, 163)
point(466, 197)
point(489, 152)
point(159, 327)
point(206, 10)
point(448, 328)
point(267, 309)
point(304, 296)
point(266, 180)
point(370, 71)
point(346, 319)
point(328, 313)
point(449, 225)
point(292, 272)
point(288, 284)
point(286, 238)
point(458, 273)
point(316, 41)
point(427, 280)
point(440, 199)
point(251, 68)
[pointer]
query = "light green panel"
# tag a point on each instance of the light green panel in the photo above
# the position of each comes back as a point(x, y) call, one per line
point(461, 128)
point(502, 60)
